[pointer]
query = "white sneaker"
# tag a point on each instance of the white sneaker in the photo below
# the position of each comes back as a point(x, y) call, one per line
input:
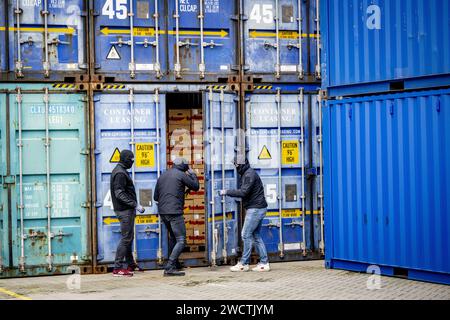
point(240, 268)
point(261, 267)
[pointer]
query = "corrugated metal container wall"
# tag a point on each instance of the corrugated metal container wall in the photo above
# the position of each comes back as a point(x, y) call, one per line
point(45, 187)
point(221, 118)
point(280, 40)
point(3, 58)
point(47, 40)
point(144, 133)
point(189, 41)
point(278, 136)
point(387, 183)
point(367, 45)
point(124, 56)
point(206, 33)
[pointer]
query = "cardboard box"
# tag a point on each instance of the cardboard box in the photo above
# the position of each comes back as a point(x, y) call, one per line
point(199, 239)
point(197, 141)
point(180, 138)
point(197, 126)
point(179, 116)
point(197, 113)
point(181, 153)
point(188, 207)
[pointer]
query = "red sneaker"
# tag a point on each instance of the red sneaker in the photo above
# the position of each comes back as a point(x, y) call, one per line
point(122, 273)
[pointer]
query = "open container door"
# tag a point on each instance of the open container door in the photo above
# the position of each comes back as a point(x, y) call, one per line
point(143, 133)
point(277, 135)
point(221, 130)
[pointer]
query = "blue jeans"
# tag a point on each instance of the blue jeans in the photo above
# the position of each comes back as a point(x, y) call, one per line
point(177, 237)
point(251, 233)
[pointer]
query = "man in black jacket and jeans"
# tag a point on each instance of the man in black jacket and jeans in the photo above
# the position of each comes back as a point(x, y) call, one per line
point(169, 194)
point(125, 204)
point(254, 201)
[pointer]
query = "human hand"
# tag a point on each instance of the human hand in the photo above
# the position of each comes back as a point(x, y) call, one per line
point(222, 193)
point(140, 209)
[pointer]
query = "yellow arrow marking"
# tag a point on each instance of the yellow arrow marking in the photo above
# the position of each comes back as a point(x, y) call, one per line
point(68, 30)
point(282, 34)
point(150, 32)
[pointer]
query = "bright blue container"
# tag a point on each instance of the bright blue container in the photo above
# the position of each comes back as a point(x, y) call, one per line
point(378, 46)
point(45, 226)
point(386, 170)
point(165, 46)
point(280, 56)
point(60, 57)
point(300, 222)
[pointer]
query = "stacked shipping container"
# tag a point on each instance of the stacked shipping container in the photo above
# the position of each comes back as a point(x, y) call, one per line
point(105, 76)
point(386, 137)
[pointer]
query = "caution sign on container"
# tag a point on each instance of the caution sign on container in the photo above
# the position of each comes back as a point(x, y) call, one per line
point(115, 157)
point(145, 155)
point(290, 153)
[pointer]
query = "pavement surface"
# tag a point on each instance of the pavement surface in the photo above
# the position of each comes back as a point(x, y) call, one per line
point(288, 280)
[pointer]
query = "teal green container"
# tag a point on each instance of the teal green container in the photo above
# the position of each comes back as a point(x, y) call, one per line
point(44, 217)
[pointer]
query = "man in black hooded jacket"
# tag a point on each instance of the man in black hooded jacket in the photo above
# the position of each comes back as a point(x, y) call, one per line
point(169, 194)
point(123, 195)
point(251, 191)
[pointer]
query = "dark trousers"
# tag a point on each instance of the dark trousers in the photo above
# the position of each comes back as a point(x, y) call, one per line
point(124, 249)
point(177, 237)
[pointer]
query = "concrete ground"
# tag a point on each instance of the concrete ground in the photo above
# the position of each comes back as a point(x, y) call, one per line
point(289, 280)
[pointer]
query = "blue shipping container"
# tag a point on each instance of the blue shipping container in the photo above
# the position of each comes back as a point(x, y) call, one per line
point(382, 45)
point(171, 40)
point(387, 184)
point(47, 40)
point(278, 138)
point(44, 222)
point(280, 40)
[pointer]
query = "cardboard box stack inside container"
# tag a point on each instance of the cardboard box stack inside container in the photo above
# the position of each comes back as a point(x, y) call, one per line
point(185, 139)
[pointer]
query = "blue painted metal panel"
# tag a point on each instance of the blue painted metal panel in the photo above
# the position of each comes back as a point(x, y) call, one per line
point(262, 134)
point(216, 161)
point(68, 193)
point(66, 43)
point(381, 41)
point(3, 62)
point(113, 129)
point(260, 39)
point(220, 39)
point(387, 180)
point(113, 44)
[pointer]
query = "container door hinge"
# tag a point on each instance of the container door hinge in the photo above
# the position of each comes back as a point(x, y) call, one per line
point(84, 99)
point(97, 66)
point(83, 14)
point(83, 66)
point(244, 17)
point(94, 13)
point(98, 204)
point(235, 17)
point(246, 99)
point(246, 67)
point(86, 258)
point(96, 98)
point(84, 152)
point(85, 205)
point(97, 152)
point(236, 99)
point(7, 180)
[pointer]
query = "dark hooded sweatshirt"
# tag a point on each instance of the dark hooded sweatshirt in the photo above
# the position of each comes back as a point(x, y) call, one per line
point(123, 194)
point(171, 187)
point(251, 190)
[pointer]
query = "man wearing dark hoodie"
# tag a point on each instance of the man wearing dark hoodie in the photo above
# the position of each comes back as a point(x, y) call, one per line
point(254, 201)
point(169, 194)
point(123, 195)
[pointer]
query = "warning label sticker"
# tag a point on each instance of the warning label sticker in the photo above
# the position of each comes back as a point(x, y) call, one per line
point(113, 54)
point(265, 154)
point(147, 219)
point(115, 157)
point(145, 155)
point(290, 152)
